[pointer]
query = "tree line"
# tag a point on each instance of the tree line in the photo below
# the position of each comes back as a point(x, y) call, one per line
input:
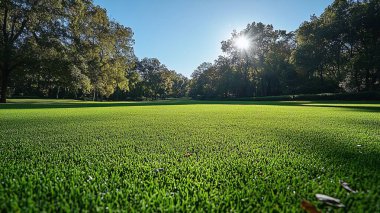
point(338, 51)
point(72, 49)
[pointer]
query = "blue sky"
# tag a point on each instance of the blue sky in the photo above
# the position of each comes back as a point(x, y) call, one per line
point(184, 33)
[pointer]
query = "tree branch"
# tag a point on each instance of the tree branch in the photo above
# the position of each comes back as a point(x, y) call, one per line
point(21, 29)
point(4, 27)
point(13, 26)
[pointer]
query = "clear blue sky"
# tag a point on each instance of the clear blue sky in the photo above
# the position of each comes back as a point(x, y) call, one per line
point(184, 33)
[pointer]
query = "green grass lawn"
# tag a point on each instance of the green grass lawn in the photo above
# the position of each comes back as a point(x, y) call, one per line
point(188, 155)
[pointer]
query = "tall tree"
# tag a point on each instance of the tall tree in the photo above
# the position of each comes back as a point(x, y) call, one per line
point(20, 20)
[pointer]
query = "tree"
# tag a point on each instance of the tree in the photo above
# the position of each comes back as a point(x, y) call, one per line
point(341, 46)
point(157, 81)
point(21, 20)
point(106, 47)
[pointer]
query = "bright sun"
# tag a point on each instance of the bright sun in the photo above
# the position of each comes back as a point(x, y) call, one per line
point(242, 43)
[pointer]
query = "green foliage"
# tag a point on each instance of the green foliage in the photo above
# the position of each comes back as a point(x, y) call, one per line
point(105, 47)
point(157, 81)
point(262, 69)
point(335, 52)
point(131, 156)
point(72, 49)
point(22, 21)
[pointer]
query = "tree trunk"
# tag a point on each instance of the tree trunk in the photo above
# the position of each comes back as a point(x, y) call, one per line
point(4, 79)
point(4, 83)
point(357, 83)
point(367, 83)
point(117, 95)
point(59, 88)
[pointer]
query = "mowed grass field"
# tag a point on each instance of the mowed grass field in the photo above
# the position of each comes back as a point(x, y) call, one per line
point(188, 155)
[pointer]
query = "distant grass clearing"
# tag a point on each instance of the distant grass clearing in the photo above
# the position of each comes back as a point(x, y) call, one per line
point(188, 155)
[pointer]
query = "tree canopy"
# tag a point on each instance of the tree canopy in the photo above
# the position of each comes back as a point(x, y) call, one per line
point(71, 48)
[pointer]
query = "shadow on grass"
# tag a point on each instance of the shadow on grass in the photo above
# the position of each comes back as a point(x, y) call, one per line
point(348, 157)
point(46, 104)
